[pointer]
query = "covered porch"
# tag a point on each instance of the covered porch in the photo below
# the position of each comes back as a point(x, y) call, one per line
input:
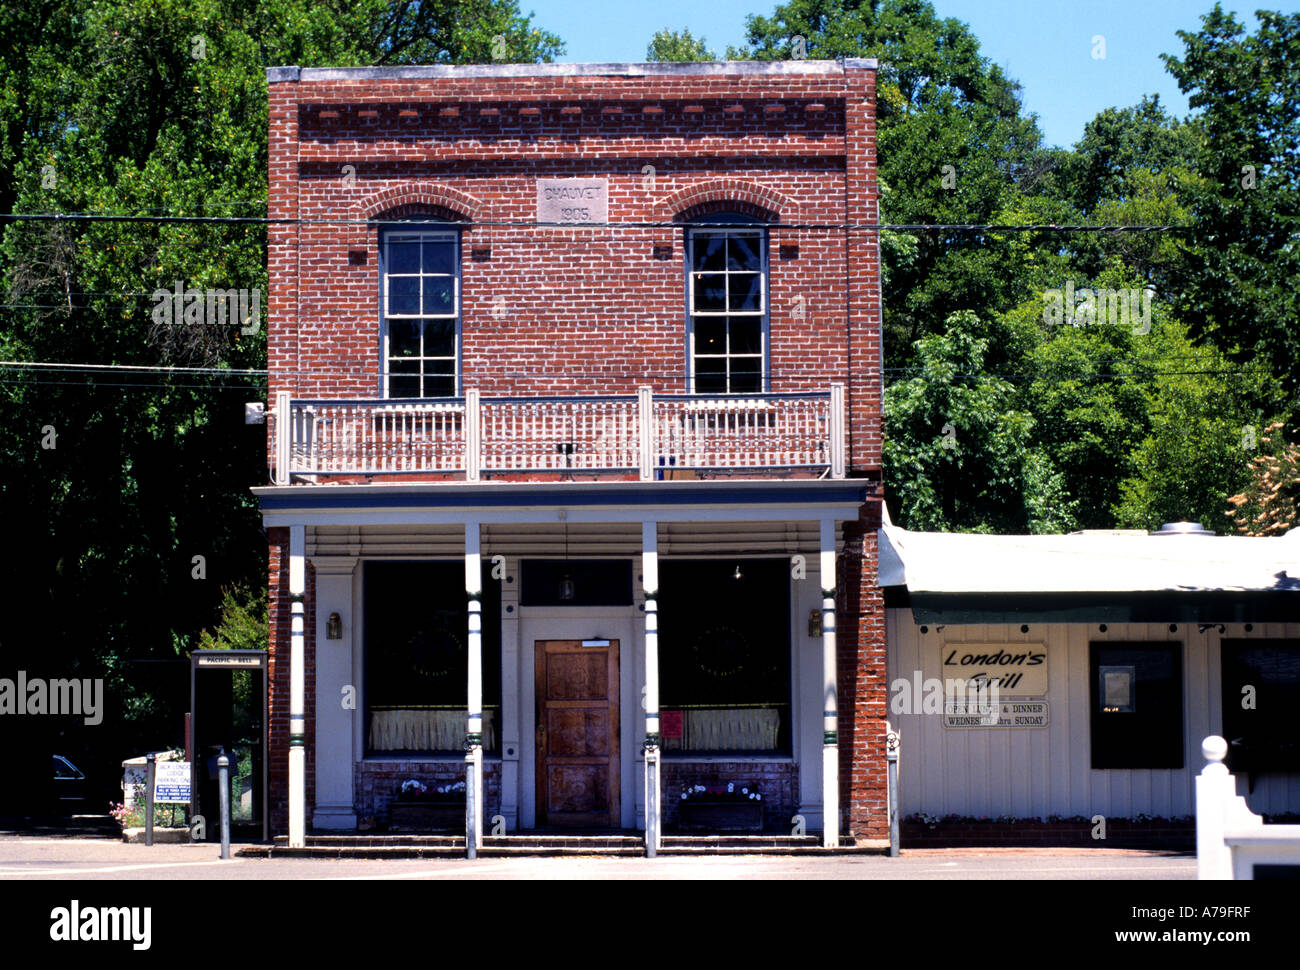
point(623, 643)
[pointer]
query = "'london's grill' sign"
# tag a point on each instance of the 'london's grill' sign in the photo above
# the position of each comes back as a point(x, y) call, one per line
point(1016, 669)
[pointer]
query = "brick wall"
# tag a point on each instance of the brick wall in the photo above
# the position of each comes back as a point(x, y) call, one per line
point(279, 647)
point(585, 310)
point(589, 310)
point(862, 681)
point(376, 784)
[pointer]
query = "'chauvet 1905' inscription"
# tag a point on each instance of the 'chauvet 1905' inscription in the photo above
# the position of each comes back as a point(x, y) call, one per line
point(575, 201)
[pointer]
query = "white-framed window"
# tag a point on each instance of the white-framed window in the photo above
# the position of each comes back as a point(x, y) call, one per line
point(420, 296)
point(727, 308)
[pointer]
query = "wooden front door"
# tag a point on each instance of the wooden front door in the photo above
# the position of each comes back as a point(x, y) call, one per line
point(577, 734)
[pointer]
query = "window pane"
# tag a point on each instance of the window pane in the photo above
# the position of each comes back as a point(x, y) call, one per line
point(710, 251)
point(439, 338)
point(440, 256)
point(439, 368)
point(403, 294)
point(440, 387)
point(403, 386)
point(710, 335)
point(404, 257)
point(746, 375)
point(746, 291)
point(404, 338)
point(746, 336)
point(743, 254)
point(710, 292)
point(439, 294)
point(710, 375)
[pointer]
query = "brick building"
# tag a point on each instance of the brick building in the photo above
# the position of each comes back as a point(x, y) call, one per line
point(575, 446)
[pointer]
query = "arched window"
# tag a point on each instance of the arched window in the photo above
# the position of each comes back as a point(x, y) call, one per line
point(726, 264)
point(420, 311)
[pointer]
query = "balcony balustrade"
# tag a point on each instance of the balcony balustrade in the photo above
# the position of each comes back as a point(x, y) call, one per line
point(653, 436)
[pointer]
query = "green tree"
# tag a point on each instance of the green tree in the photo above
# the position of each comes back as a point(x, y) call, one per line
point(952, 146)
point(1243, 261)
point(129, 493)
point(672, 45)
point(958, 452)
point(1270, 503)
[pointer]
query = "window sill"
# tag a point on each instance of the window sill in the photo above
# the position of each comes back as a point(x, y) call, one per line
point(718, 758)
point(449, 758)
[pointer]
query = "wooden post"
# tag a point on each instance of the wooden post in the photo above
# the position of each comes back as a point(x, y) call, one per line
point(297, 661)
point(645, 430)
point(283, 436)
point(474, 690)
point(473, 432)
point(830, 712)
point(650, 583)
point(838, 424)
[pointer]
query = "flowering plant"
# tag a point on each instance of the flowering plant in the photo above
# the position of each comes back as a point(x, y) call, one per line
point(732, 791)
point(414, 790)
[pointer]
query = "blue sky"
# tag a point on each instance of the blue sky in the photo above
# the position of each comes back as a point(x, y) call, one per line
point(1045, 44)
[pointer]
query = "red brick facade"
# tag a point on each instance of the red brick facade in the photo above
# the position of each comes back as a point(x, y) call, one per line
point(590, 309)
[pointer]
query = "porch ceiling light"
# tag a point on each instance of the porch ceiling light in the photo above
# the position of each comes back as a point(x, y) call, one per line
point(737, 575)
point(566, 587)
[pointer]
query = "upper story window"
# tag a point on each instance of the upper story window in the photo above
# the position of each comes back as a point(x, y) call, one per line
point(421, 312)
point(727, 303)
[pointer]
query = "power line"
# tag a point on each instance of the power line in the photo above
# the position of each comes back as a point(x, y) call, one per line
point(568, 226)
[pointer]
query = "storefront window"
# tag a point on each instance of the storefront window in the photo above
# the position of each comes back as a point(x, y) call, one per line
point(1137, 705)
point(1261, 693)
point(416, 658)
point(724, 656)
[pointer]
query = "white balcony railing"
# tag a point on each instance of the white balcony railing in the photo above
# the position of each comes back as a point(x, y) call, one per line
point(654, 435)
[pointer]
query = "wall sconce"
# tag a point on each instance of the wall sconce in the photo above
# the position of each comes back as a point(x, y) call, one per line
point(334, 627)
point(814, 623)
point(566, 587)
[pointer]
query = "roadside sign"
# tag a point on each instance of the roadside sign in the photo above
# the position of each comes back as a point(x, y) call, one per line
point(171, 783)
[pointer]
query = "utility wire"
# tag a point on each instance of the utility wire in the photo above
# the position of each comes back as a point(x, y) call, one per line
point(524, 224)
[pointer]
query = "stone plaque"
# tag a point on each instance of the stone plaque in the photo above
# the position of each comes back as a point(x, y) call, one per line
point(576, 201)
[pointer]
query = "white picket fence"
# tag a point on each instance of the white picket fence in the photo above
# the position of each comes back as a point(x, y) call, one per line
point(1231, 840)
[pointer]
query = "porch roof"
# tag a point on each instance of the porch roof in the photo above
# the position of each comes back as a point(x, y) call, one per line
point(1090, 577)
point(703, 501)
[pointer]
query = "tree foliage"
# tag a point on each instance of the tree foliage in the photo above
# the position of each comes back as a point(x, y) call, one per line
point(128, 494)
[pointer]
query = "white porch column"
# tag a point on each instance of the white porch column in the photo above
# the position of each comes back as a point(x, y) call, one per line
point(830, 713)
point(650, 583)
point(474, 738)
point(297, 662)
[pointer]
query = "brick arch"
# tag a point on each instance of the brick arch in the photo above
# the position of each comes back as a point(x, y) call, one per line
point(415, 198)
point(751, 197)
point(435, 195)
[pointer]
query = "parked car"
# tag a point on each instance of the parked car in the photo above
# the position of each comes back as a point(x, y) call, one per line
point(69, 786)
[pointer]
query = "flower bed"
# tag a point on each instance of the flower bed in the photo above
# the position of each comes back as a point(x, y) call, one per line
point(428, 808)
point(958, 831)
point(733, 807)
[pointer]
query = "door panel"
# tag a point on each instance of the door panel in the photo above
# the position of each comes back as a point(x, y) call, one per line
point(577, 734)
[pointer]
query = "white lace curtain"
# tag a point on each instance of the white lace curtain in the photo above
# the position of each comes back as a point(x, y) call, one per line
point(724, 729)
point(424, 730)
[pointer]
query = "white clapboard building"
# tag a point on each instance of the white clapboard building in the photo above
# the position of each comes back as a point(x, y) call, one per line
point(1114, 655)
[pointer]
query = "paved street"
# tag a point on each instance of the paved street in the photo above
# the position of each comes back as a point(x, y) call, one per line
point(25, 857)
